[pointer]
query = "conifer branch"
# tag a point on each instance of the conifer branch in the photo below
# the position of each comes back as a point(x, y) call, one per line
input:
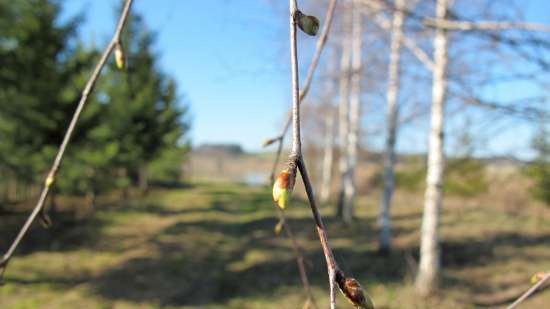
point(51, 176)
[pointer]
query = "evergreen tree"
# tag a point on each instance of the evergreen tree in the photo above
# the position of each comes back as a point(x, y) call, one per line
point(144, 111)
point(42, 69)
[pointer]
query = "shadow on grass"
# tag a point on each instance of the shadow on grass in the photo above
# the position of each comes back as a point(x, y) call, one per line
point(214, 258)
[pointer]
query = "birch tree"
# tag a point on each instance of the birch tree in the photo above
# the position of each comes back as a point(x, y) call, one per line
point(429, 267)
point(391, 131)
point(343, 110)
point(354, 116)
point(328, 155)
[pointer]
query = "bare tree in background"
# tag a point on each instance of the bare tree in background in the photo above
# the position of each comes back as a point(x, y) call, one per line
point(429, 268)
point(329, 126)
point(343, 109)
point(354, 115)
point(328, 155)
point(385, 237)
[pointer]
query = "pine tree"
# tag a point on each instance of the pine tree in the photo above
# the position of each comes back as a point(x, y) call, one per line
point(42, 69)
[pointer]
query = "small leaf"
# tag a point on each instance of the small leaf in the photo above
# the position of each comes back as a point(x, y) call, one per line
point(308, 24)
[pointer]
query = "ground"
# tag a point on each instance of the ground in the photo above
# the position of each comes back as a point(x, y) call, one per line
point(212, 245)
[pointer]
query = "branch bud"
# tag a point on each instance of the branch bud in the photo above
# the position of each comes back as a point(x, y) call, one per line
point(353, 291)
point(120, 58)
point(278, 228)
point(282, 188)
point(49, 181)
point(308, 23)
point(269, 141)
point(537, 277)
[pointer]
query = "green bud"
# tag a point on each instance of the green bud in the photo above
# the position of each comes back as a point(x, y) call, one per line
point(308, 24)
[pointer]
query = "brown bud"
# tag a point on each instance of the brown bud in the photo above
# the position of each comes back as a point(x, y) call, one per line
point(353, 291)
point(269, 141)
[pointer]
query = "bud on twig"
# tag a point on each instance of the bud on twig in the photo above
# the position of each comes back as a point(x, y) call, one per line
point(120, 58)
point(537, 277)
point(270, 141)
point(278, 228)
point(49, 181)
point(308, 24)
point(282, 188)
point(353, 291)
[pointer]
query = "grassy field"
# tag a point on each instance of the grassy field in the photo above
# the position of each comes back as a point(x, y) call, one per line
point(212, 246)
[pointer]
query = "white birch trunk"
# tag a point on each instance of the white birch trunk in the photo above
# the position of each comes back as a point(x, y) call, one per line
point(343, 111)
point(328, 154)
point(384, 219)
point(354, 117)
point(429, 268)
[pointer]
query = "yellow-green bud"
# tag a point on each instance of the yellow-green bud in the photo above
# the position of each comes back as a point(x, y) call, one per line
point(278, 228)
point(120, 58)
point(282, 189)
point(49, 181)
point(537, 277)
point(308, 24)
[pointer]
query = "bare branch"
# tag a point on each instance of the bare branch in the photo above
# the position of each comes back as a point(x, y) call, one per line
point(385, 23)
point(321, 42)
point(530, 291)
point(463, 25)
point(50, 178)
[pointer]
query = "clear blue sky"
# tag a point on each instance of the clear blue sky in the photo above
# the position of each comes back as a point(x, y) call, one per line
point(230, 58)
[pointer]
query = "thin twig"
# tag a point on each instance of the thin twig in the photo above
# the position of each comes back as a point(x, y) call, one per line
point(299, 258)
point(295, 157)
point(321, 42)
point(530, 291)
point(332, 266)
point(484, 25)
point(50, 178)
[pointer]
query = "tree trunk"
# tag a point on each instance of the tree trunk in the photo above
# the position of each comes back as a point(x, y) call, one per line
point(328, 153)
point(354, 117)
point(429, 268)
point(384, 219)
point(343, 111)
point(143, 176)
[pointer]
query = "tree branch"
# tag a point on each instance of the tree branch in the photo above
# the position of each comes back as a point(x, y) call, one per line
point(462, 25)
point(386, 24)
point(50, 178)
point(321, 42)
point(529, 292)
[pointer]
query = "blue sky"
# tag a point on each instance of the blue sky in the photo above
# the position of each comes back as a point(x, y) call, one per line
point(230, 58)
point(227, 56)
